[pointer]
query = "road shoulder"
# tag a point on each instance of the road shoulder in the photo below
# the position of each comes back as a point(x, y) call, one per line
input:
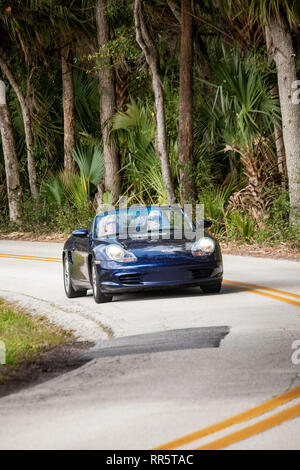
point(33, 350)
point(281, 251)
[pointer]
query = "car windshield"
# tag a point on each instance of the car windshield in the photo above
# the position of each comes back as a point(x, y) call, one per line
point(141, 220)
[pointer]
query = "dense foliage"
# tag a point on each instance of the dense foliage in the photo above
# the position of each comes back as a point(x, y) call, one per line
point(238, 169)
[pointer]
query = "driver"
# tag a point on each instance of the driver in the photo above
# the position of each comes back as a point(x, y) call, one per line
point(108, 226)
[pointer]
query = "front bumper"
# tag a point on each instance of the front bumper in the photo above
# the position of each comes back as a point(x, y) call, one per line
point(143, 277)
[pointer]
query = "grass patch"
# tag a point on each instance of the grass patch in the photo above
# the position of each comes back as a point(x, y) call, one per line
point(25, 336)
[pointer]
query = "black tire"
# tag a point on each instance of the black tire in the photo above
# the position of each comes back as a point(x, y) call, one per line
point(99, 297)
point(211, 288)
point(71, 293)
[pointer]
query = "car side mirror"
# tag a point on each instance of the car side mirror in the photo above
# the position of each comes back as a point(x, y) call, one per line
point(81, 232)
point(205, 223)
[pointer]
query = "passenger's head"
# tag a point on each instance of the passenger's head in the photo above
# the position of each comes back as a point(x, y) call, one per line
point(154, 221)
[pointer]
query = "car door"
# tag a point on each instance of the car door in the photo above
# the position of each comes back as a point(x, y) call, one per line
point(79, 268)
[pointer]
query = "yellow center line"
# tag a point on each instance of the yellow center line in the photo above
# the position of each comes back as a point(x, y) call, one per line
point(30, 257)
point(239, 418)
point(235, 284)
point(261, 426)
point(277, 291)
point(265, 294)
point(250, 431)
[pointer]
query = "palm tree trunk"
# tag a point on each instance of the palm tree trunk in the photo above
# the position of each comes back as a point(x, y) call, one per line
point(280, 151)
point(279, 144)
point(27, 127)
point(199, 47)
point(280, 47)
point(107, 105)
point(147, 45)
point(10, 159)
point(68, 105)
point(187, 187)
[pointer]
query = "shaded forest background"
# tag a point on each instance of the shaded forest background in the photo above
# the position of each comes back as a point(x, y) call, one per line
point(162, 101)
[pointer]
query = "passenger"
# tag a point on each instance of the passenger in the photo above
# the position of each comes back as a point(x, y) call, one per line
point(154, 221)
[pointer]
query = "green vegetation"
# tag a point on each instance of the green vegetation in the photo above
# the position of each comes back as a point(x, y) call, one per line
point(86, 132)
point(24, 336)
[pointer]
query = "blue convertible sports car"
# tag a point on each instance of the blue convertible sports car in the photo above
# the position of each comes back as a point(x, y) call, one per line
point(139, 248)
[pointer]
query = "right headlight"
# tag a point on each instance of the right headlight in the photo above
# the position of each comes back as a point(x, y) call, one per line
point(203, 246)
point(117, 253)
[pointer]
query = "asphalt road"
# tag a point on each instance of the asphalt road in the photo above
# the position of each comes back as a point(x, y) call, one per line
point(166, 365)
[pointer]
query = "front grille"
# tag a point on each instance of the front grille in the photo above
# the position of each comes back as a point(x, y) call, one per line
point(130, 279)
point(201, 273)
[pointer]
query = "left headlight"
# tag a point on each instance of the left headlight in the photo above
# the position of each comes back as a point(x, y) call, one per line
point(203, 246)
point(117, 253)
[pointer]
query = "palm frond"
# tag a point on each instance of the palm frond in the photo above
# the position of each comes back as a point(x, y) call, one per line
point(90, 162)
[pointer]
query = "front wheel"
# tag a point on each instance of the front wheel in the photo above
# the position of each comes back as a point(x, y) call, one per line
point(99, 297)
point(71, 293)
point(211, 288)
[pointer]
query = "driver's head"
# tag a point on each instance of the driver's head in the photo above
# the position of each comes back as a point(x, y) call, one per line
point(110, 225)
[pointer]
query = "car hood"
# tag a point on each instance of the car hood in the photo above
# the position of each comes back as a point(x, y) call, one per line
point(149, 250)
point(155, 245)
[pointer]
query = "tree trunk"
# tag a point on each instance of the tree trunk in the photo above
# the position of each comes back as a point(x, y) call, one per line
point(251, 199)
point(68, 105)
point(10, 159)
point(187, 187)
point(122, 85)
point(280, 151)
point(203, 64)
point(147, 45)
point(107, 105)
point(27, 127)
point(280, 47)
point(199, 47)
